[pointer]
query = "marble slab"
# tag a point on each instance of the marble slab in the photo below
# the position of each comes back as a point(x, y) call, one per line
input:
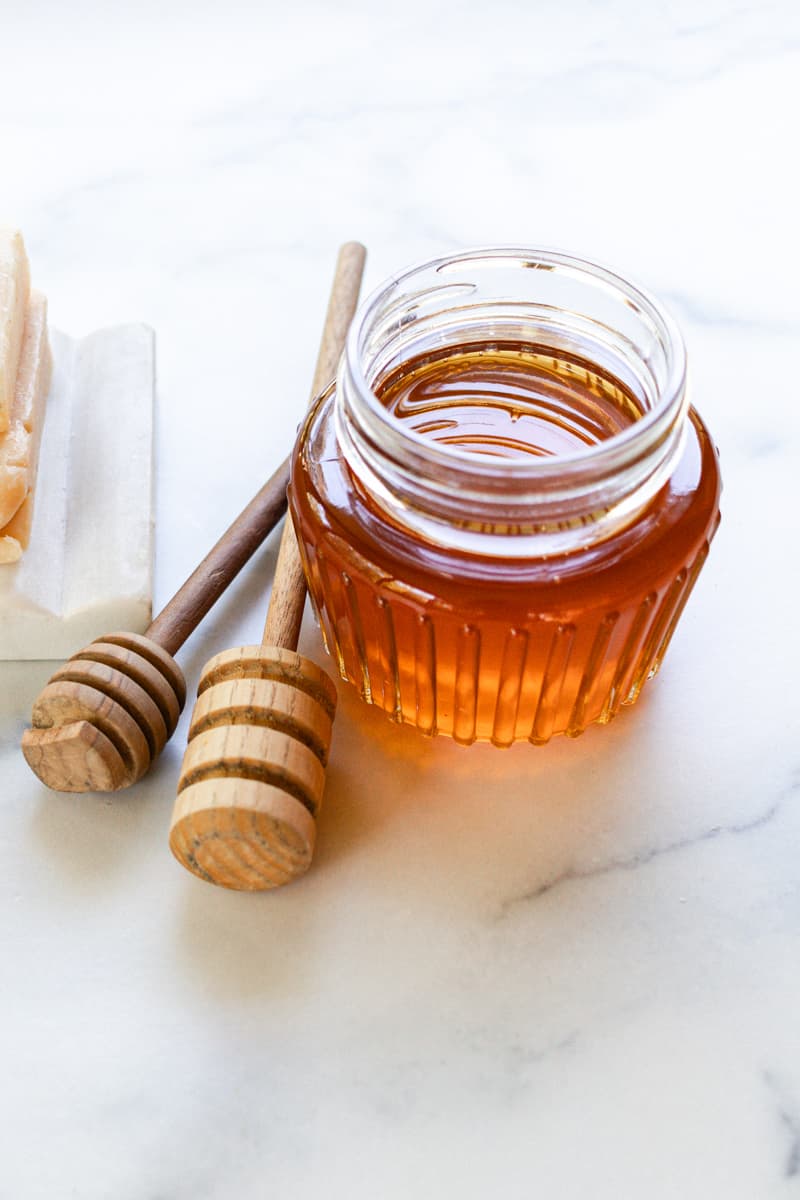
point(89, 566)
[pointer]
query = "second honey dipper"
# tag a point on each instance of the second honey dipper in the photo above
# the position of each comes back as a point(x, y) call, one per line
point(254, 769)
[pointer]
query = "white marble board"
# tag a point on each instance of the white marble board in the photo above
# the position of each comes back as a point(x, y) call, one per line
point(89, 567)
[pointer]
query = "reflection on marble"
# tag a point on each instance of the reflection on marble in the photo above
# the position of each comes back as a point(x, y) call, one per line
point(569, 971)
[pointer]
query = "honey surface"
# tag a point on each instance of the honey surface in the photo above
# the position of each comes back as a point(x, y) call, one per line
point(508, 399)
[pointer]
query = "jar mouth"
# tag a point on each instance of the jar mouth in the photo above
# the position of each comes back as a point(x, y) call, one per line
point(530, 295)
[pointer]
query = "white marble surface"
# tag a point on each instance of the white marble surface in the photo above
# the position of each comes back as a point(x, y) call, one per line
point(564, 972)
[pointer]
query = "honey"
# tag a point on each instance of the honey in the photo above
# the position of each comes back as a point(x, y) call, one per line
point(504, 501)
point(507, 399)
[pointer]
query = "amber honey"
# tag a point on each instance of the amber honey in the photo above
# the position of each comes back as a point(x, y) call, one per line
point(507, 399)
point(500, 541)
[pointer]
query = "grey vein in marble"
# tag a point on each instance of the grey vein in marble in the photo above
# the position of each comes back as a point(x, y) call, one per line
point(642, 859)
point(789, 1117)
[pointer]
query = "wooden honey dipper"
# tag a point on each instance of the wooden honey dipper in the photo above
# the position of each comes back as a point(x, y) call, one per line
point(254, 769)
point(105, 716)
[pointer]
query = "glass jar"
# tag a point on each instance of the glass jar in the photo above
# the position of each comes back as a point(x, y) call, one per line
point(470, 588)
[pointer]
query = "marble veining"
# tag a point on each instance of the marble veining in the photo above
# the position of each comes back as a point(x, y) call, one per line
point(565, 971)
point(789, 1116)
point(648, 855)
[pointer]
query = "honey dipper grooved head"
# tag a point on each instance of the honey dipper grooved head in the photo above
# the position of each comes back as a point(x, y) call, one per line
point(254, 769)
point(104, 716)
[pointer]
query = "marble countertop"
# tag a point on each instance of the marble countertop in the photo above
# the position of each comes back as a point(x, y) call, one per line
point(571, 971)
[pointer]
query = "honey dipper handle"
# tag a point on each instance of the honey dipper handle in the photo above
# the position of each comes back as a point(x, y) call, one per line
point(221, 565)
point(289, 589)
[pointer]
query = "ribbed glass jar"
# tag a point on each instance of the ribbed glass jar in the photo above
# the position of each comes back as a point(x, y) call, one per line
point(493, 595)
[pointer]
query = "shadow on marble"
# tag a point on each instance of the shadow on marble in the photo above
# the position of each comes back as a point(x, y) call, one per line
point(89, 842)
point(431, 832)
point(236, 947)
point(20, 683)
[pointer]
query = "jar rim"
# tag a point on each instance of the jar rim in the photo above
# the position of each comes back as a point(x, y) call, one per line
point(606, 454)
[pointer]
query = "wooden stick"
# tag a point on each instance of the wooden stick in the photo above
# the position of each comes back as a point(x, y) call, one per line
point(288, 597)
point(254, 769)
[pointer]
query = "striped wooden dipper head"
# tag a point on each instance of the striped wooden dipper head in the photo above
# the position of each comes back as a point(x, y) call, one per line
point(105, 716)
point(254, 769)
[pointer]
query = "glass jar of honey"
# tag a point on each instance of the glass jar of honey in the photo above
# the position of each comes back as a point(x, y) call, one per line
point(504, 500)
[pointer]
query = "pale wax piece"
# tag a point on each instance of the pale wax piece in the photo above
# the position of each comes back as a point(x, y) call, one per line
point(14, 291)
point(88, 568)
